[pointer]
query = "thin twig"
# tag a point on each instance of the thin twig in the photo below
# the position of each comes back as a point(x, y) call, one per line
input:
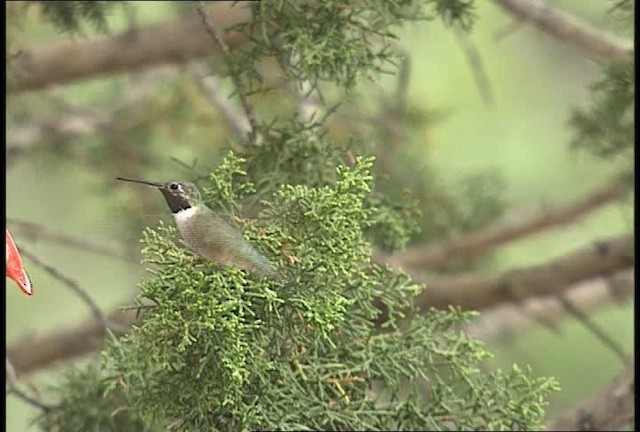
point(566, 27)
point(13, 387)
point(476, 65)
point(76, 288)
point(213, 89)
point(255, 137)
point(593, 327)
point(38, 232)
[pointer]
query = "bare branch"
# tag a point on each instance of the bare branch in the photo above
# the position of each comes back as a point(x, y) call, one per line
point(215, 34)
point(82, 122)
point(13, 387)
point(35, 232)
point(609, 409)
point(506, 320)
point(212, 88)
point(444, 253)
point(597, 43)
point(73, 285)
point(150, 46)
point(550, 278)
point(36, 352)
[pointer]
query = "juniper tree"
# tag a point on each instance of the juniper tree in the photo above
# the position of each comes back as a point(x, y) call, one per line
point(217, 349)
point(334, 343)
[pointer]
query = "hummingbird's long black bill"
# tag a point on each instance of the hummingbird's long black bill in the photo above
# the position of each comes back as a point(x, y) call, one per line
point(146, 182)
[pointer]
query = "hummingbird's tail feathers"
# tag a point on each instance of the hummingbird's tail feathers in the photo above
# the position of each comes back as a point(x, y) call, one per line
point(256, 263)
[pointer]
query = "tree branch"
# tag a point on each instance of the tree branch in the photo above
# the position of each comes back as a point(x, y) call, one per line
point(550, 278)
point(214, 91)
point(35, 352)
point(81, 122)
point(476, 65)
point(13, 387)
point(217, 38)
point(443, 253)
point(597, 43)
point(165, 43)
point(609, 409)
point(35, 231)
point(505, 320)
point(75, 287)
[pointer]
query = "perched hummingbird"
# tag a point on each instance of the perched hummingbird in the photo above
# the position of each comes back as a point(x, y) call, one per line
point(207, 233)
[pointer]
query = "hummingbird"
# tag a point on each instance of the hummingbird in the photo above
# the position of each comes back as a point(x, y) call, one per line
point(205, 232)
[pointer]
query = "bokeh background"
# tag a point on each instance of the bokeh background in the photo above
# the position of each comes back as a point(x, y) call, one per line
point(536, 81)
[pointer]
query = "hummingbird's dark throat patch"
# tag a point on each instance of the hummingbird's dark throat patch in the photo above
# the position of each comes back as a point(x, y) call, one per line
point(175, 201)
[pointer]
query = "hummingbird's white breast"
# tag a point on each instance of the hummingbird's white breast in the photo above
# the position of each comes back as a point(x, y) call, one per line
point(183, 216)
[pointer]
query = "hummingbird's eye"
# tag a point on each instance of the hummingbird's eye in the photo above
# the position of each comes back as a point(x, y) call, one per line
point(174, 186)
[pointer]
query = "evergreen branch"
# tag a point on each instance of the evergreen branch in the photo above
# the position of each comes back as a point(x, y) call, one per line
point(564, 26)
point(212, 88)
point(309, 106)
point(33, 353)
point(505, 320)
point(550, 278)
point(36, 232)
point(255, 136)
point(13, 387)
point(75, 287)
point(611, 408)
point(443, 253)
point(149, 46)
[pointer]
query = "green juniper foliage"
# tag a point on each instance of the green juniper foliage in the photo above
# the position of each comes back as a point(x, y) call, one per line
point(219, 349)
point(607, 128)
point(68, 16)
point(334, 40)
point(88, 401)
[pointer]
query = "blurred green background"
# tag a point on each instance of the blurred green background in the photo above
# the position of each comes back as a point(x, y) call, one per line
point(536, 82)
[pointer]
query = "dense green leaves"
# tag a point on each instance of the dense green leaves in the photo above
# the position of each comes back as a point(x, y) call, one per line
point(219, 349)
point(606, 129)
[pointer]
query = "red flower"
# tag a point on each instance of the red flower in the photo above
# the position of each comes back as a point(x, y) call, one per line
point(14, 267)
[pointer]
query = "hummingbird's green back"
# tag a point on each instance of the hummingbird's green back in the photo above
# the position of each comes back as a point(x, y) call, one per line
point(213, 238)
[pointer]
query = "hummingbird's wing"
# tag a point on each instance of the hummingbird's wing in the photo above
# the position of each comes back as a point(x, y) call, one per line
point(225, 244)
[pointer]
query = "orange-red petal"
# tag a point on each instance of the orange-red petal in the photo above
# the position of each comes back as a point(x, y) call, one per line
point(15, 270)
